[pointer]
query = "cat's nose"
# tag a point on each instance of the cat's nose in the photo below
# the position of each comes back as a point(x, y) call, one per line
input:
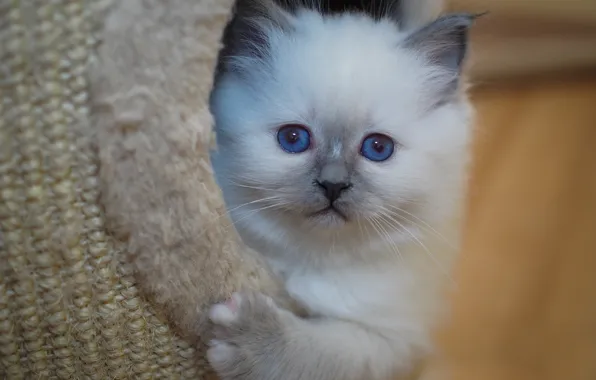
point(333, 190)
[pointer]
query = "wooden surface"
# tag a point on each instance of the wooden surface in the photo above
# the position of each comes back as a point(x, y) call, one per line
point(526, 306)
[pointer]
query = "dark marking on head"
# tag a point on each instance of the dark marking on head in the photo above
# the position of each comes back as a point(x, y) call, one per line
point(375, 9)
point(245, 37)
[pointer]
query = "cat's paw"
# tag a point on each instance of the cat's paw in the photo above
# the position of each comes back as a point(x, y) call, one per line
point(249, 336)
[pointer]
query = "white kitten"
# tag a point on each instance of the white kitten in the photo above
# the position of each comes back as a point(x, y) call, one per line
point(341, 149)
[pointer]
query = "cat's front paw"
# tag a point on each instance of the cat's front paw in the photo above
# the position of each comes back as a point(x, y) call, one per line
point(249, 337)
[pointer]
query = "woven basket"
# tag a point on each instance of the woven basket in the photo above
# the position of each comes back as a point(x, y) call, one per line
point(71, 305)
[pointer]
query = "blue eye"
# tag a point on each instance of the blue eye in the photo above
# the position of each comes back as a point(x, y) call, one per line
point(377, 147)
point(293, 138)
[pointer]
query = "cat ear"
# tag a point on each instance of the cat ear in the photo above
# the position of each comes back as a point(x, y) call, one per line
point(412, 14)
point(443, 42)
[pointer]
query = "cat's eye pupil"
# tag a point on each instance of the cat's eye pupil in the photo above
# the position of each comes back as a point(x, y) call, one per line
point(293, 138)
point(377, 147)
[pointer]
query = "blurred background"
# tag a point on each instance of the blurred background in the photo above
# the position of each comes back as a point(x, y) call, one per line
point(533, 61)
point(533, 54)
point(523, 38)
point(526, 306)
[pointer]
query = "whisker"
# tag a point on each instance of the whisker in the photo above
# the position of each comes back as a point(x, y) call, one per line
point(388, 219)
point(246, 180)
point(394, 244)
point(274, 197)
point(386, 237)
point(368, 234)
point(421, 224)
point(253, 212)
point(251, 185)
point(360, 226)
point(228, 211)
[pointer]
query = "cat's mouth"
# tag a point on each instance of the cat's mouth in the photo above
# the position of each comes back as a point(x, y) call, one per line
point(329, 211)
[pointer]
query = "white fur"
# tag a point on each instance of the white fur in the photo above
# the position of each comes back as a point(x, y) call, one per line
point(348, 68)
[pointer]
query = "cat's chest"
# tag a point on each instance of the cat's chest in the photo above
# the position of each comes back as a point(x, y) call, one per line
point(378, 296)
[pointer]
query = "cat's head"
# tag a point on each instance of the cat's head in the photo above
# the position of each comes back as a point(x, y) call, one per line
point(333, 120)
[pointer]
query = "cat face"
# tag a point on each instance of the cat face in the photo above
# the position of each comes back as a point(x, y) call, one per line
point(337, 121)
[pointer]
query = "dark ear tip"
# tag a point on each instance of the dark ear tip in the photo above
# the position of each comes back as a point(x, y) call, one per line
point(481, 14)
point(471, 17)
point(458, 20)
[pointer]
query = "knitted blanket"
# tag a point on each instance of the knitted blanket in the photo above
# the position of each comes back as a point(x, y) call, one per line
point(113, 238)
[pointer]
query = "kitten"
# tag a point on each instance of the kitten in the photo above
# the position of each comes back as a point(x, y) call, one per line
point(342, 135)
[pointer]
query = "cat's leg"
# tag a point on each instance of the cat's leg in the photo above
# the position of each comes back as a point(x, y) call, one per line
point(257, 340)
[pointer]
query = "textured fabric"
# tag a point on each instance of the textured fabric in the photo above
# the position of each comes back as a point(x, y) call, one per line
point(69, 305)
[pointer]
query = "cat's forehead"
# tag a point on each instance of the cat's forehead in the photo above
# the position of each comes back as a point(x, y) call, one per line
point(337, 51)
point(343, 76)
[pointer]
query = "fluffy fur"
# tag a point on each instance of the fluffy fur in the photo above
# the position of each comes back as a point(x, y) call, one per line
point(158, 190)
point(367, 272)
